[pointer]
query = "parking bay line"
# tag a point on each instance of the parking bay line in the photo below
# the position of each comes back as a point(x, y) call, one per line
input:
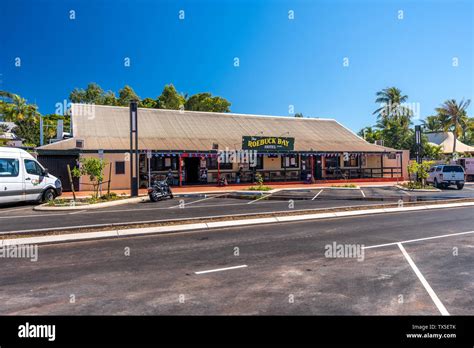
point(423, 281)
point(199, 200)
point(418, 240)
point(221, 269)
point(317, 194)
point(15, 209)
point(255, 200)
point(363, 194)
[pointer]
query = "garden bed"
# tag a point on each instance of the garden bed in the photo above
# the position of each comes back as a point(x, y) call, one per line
point(89, 202)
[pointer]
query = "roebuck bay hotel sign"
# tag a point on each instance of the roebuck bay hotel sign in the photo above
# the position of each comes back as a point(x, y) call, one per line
point(268, 143)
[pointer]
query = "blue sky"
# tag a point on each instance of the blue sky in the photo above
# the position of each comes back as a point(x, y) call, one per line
point(283, 62)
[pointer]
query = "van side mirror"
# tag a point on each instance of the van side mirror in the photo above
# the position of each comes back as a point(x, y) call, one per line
point(45, 172)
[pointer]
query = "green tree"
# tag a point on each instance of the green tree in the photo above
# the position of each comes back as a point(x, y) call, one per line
point(93, 94)
point(453, 116)
point(28, 130)
point(393, 118)
point(149, 103)
point(432, 124)
point(94, 169)
point(392, 109)
point(420, 170)
point(469, 134)
point(15, 108)
point(50, 124)
point(206, 102)
point(432, 152)
point(109, 98)
point(299, 114)
point(170, 99)
point(370, 134)
point(126, 95)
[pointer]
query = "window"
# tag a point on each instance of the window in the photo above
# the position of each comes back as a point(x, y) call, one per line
point(332, 162)
point(33, 168)
point(119, 167)
point(212, 164)
point(438, 169)
point(353, 161)
point(9, 167)
point(457, 169)
point(291, 161)
point(163, 163)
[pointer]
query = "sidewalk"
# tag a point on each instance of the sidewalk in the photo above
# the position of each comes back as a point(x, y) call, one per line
point(194, 189)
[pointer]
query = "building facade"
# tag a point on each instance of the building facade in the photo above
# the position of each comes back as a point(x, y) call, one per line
point(204, 147)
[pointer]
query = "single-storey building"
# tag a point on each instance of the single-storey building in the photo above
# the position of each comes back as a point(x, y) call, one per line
point(195, 146)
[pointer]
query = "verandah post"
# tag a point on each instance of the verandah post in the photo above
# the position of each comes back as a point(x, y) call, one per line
point(180, 171)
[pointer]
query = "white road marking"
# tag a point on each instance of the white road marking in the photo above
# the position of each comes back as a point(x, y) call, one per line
point(363, 194)
point(468, 188)
point(77, 212)
point(427, 286)
point(405, 192)
point(255, 200)
point(418, 240)
point(199, 200)
point(221, 269)
point(14, 209)
point(317, 194)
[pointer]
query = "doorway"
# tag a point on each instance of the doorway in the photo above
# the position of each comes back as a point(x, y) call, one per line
point(191, 165)
point(318, 168)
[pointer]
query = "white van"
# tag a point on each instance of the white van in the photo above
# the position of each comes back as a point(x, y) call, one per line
point(22, 178)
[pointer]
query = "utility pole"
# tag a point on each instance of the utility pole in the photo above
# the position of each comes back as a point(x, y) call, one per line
point(418, 147)
point(418, 143)
point(134, 156)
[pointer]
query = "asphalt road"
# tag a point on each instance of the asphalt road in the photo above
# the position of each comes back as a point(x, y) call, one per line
point(23, 217)
point(281, 269)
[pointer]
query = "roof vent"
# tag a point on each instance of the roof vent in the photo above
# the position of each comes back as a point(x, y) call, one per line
point(79, 143)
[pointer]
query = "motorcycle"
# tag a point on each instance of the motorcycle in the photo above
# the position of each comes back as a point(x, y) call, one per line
point(159, 190)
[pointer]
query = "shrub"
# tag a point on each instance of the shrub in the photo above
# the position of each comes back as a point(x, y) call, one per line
point(94, 169)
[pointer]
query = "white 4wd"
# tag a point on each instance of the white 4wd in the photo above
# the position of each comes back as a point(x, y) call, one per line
point(445, 175)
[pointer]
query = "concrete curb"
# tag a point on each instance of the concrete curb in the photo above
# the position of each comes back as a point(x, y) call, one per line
point(217, 224)
point(45, 207)
point(417, 190)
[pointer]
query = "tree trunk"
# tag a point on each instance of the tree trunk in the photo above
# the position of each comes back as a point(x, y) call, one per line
point(455, 141)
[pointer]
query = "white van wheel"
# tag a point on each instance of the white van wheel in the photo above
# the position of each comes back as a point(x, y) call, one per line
point(48, 195)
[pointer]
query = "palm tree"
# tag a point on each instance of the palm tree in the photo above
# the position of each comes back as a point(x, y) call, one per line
point(432, 124)
point(370, 134)
point(453, 117)
point(15, 108)
point(391, 108)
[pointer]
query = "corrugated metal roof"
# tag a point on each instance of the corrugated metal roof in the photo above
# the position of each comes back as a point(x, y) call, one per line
point(107, 127)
